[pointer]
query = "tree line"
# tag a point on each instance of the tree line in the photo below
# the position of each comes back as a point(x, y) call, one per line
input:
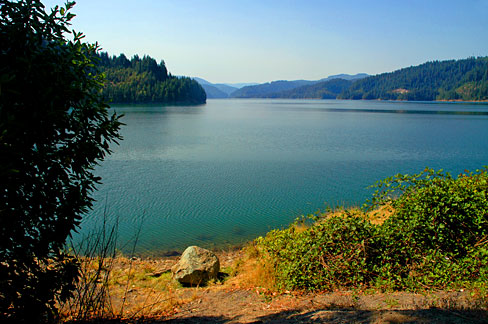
point(143, 80)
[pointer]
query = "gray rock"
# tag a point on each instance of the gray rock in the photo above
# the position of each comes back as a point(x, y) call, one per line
point(196, 266)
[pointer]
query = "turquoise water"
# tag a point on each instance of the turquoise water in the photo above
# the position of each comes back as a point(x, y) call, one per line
point(230, 170)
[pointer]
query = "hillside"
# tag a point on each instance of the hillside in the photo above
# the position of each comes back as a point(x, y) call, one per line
point(215, 90)
point(322, 90)
point(465, 79)
point(225, 88)
point(349, 77)
point(279, 89)
point(261, 90)
point(145, 81)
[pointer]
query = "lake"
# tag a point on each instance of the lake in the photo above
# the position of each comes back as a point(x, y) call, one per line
point(226, 172)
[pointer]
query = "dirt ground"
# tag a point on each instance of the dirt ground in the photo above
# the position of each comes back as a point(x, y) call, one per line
point(236, 301)
point(219, 305)
point(254, 306)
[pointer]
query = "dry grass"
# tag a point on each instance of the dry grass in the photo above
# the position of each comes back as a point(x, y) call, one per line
point(381, 214)
point(142, 288)
point(135, 288)
point(377, 216)
point(251, 271)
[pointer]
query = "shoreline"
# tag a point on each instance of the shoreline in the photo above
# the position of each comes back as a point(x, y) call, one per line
point(246, 291)
point(417, 101)
point(348, 99)
point(240, 297)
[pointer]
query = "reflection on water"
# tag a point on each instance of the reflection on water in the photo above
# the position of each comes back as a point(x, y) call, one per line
point(230, 170)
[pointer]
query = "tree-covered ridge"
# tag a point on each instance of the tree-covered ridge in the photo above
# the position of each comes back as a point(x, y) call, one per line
point(323, 90)
point(145, 81)
point(465, 79)
point(283, 88)
point(262, 90)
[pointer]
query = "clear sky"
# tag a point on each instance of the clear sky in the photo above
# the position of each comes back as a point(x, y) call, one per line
point(266, 40)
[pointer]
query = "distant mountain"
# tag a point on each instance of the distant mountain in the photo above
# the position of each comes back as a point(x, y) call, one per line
point(272, 89)
point(279, 89)
point(349, 77)
point(329, 89)
point(215, 90)
point(465, 79)
point(201, 81)
point(240, 85)
point(260, 90)
point(225, 88)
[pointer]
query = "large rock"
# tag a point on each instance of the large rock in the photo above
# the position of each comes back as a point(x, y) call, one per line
point(196, 266)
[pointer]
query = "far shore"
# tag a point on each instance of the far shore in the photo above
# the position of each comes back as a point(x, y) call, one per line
point(386, 100)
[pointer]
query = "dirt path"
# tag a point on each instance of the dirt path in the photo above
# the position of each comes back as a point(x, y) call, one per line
point(252, 306)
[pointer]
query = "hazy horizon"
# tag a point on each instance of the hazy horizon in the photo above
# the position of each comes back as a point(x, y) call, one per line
point(263, 41)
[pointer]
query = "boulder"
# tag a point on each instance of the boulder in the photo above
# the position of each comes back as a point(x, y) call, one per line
point(196, 266)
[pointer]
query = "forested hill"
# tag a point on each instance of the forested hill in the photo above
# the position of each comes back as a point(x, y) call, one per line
point(321, 90)
point(283, 88)
point(465, 79)
point(262, 90)
point(143, 80)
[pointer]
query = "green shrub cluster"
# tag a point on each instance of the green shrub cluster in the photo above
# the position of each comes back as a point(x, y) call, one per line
point(436, 237)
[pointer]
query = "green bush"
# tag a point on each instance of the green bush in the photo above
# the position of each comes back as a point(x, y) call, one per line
point(439, 222)
point(437, 237)
point(330, 254)
point(54, 128)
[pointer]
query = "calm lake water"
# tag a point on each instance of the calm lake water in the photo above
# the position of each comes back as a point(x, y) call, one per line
point(228, 171)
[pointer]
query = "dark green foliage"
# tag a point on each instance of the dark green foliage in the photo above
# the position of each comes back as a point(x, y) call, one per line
point(54, 127)
point(437, 237)
point(440, 226)
point(329, 255)
point(265, 89)
point(446, 80)
point(322, 90)
point(146, 81)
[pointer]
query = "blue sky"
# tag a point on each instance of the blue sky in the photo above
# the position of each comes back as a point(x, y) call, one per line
point(266, 40)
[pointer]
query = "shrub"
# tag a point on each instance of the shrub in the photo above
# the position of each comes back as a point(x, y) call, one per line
point(54, 127)
point(438, 224)
point(436, 237)
point(330, 254)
